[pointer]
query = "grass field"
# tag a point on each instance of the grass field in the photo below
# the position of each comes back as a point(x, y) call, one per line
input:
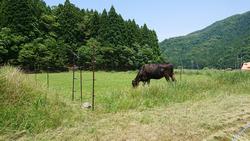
point(114, 91)
point(205, 104)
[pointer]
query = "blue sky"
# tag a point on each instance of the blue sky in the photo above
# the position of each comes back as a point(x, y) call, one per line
point(169, 18)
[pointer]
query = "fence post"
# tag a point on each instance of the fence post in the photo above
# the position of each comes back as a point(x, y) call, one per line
point(48, 78)
point(93, 84)
point(35, 70)
point(81, 82)
point(73, 82)
point(181, 70)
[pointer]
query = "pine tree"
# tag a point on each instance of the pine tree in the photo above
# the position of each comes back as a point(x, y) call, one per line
point(39, 7)
point(1, 13)
point(154, 43)
point(116, 25)
point(19, 15)
point(68, 19)
point(94, 25)
point(103, 30)
point(145, 35)
point(131, 33)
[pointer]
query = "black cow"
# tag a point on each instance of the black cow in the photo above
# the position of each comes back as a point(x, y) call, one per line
point(154, 71)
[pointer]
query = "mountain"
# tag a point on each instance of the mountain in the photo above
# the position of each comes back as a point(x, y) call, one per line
point(224, 44)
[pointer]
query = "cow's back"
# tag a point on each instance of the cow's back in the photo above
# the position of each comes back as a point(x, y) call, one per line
point(154, 71)
point(150, 68)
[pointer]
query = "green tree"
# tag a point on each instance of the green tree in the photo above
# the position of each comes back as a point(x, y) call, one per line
point(104, 27)
point(131, 33)
point(68, 18)
point(10, 43)
point(125, 57)
point(87, 52)
point(35, 35)
point(19, 16)
point(57, 56)
point(94, 25)
point(34, 54)
point(116, 24)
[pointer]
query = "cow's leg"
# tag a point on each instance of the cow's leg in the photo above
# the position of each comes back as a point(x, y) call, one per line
point(166, 77)
point(148, 82)
point(171, 74)
point(172, 77)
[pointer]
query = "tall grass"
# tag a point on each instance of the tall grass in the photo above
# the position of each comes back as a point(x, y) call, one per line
point(152, 96)
point(114, 92)
point(193, 88)
point(24, 106)
point(234, 77)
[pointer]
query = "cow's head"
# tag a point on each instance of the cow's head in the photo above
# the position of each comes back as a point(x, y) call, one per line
point(135, 83)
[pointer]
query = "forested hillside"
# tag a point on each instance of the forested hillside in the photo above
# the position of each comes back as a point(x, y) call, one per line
point(34, 35)
point(224, 44)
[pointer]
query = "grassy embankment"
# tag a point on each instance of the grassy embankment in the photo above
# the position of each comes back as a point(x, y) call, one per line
point(29, 108)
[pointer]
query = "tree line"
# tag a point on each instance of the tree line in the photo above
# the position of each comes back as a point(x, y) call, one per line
point(36, 36)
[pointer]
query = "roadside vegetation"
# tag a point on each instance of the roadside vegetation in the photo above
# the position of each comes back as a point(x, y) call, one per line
point(27, 107)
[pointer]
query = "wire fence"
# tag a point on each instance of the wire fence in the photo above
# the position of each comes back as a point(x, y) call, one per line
point(75, 83)
point(73, 68)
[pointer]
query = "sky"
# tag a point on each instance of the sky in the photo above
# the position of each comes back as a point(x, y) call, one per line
point(169, 18)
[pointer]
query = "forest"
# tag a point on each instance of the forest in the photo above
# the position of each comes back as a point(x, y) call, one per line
point(35, 36)
point(224, 44)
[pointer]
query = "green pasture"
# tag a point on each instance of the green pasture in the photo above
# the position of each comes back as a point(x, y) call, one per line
point(114, 91)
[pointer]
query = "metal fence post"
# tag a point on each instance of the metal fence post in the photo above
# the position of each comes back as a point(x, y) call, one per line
point(73, 83)
point(48, 78)
point(81, 83)
point(35, 70)
point(93, 84)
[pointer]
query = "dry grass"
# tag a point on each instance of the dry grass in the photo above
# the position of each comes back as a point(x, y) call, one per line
point(218, 118)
